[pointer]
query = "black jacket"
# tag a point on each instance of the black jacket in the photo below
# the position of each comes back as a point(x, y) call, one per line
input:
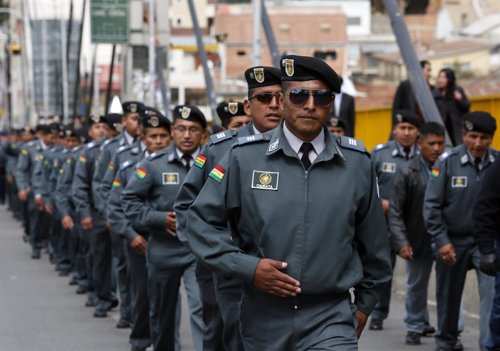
point(347, 114)
point(404, 99)
point(451, 111)
point(487, 210)
point(405, 218)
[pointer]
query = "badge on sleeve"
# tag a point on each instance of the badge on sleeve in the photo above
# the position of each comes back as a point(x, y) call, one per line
point(388, 167)
point(265, 180)
point(170, 178)
point(459, 182)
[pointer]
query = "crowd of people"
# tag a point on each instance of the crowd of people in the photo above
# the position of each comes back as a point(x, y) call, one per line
point(282, 227)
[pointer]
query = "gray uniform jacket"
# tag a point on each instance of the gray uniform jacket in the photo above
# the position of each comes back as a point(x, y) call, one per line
point(405, 217)
point(387, 158)
point(104, 162)
point(12, 152)
point(64, 199)
point(127, 163)
point(41, 174)
point(28, 157)
point(327, 223)
point(208, 157)
point(82, 183)
point(451, 195)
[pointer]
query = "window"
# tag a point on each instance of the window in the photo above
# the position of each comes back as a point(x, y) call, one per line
point(326, 55)
point(353, 21)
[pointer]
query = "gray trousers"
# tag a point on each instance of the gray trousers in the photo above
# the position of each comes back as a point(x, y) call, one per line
point(120, 268)
point(417, 280)
point(449, 289)
point(321, 324)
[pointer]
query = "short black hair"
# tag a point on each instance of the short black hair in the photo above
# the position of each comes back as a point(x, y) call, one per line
point(423, 63)
point(431, 128)
point(250, 93)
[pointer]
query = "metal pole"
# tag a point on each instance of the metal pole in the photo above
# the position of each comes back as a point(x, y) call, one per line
point(70, 31)
point(77, 70)
point(110, 80)
point(420, 87)
point(91, 89)
point(151, 54)
point(203, 58)
point(29, 61)
point(95, 81)
point(45, 78)
point(9, 89)
point(257, 9)
point(64, 68)
point(271, 40)
point(160, 62)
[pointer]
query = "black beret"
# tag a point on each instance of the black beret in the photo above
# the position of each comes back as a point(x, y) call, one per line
point(27, 129)
point(132, 107)
point(70, 132)
point(262, 76)
point(152, 118)
point(227, 110)
point(55, 128)
point(335, 122)
point(190, 113)
point(302, 68)
point(97, 119)
point(114, 121)
point(405, 116)
point(480, 121)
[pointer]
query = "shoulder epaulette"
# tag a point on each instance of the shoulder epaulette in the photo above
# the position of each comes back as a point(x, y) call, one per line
point(126, 164)
point(221, 136)
point(381, 146)
point(90, 145)
point(122, 149)
point(352, 144)
point(157, 154)
point(447, 154)
point(31, 143)
point(135, 150)
point(253, 138)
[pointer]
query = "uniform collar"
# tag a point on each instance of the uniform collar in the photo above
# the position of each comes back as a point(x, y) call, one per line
point(295, 143)
point(43, 145)
point(466, 157)
point(398, 150)
point(126, 139)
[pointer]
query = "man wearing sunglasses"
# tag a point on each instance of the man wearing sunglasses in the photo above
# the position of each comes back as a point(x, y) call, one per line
point(262, 105)
point(306, 223)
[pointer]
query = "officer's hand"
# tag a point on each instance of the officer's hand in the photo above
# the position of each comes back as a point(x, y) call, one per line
point(457, 95)
point(10, 179)
point(171, 223)
point(139, 244)
point(67, 223)
point(406, 252)
point(362, 318)
point(385, 205)
point(488, 264)
point(86, 224)
point(108, 225)
point(268, 278)
point(39, 202)
point(447, 254)
point(23, 195)
point(48, 208)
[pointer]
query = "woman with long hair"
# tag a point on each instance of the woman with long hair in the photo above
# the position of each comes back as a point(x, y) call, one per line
point(452, 103)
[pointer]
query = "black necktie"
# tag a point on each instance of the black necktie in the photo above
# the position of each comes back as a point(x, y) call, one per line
point(187, 161)
point(407, 151)
point(306, 148)
point(477, 164)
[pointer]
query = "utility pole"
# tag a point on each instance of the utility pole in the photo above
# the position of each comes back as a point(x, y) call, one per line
point(257, 10)
point(151, 54)
point(44, 69)
point(64, 67)
point(271, 40)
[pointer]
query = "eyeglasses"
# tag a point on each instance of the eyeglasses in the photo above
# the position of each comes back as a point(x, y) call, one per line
point(191, 130)
point(265, 98)
point(322, 98)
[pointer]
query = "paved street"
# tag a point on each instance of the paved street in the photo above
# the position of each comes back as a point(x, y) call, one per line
point(40, 311)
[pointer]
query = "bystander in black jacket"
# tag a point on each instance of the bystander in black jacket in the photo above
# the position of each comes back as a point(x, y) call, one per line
point(451, 111)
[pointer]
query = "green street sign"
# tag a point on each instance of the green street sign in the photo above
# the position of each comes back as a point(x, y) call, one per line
point(109, 21)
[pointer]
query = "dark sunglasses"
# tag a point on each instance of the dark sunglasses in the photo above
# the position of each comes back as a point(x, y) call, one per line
point(322, 98)
point(265, 98)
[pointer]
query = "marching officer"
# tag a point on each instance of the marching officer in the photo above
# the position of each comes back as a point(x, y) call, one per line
point(449, 201)
point(232, 115)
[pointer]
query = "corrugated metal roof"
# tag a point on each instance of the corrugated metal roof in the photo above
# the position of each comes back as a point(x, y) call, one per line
point(482, 25)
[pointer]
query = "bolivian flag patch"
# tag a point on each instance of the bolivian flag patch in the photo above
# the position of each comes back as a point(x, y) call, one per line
point(111, 166)
point(435, 172)
point(24, 151)
point(82, 159)
point(200, 161)
point(117, 183)
point(141, 173)
point(217, 174)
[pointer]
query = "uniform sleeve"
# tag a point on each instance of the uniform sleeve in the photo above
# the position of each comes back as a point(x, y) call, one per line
point(434, 202)
point(207, 231)
point(397, 226)
point(22, 169)
point(54, 171)
point(487, 210)
point(63, 187)
point(372, 243)
point(119, 223)
point(188, 192)
point(110, 172)
point(39, 183)
point(134, 199)
point(97, 179)
point(80, 188)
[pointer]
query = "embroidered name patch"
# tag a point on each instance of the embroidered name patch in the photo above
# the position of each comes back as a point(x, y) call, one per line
point(170, 178)
point(459, 182)
point(265, 180)
point(388, 167)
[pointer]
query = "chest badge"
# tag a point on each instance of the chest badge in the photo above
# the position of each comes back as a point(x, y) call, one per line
point(388, 167)
point(459, 182)
point(265, 180)
point(170, 178)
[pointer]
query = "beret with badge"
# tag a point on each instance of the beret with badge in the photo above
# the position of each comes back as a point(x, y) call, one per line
point(335, 122)
point(114, 121)
point(302, 68)
point(262, 76)
point(97, 119)
point(132, 107)
point(228, 110)
point(190, 113)
point(405, 116)
point(480, 121)
point(152, 118)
